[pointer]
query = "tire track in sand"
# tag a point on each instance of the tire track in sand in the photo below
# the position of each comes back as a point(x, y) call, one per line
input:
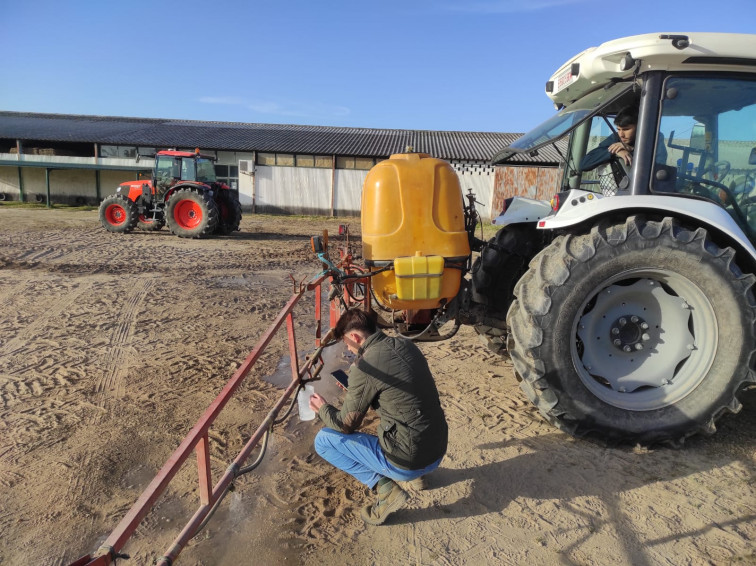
point(115, 359)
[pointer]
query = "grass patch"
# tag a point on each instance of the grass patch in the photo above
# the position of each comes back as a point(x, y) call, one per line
point(43, 206)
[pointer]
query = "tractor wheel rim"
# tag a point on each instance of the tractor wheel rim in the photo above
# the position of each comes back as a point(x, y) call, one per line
point(115, 214)
point(645, 340)
point(188, 214)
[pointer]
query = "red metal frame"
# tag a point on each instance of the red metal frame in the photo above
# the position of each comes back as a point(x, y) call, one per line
point(197, 440)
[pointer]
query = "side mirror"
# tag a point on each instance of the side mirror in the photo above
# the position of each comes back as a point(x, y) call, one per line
point(752, 157)
point(698, 137)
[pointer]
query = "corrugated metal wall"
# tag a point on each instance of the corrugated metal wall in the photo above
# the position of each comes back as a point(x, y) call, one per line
point(304, 190)
point(307, 190)
point(292, 190)
point(532, 182)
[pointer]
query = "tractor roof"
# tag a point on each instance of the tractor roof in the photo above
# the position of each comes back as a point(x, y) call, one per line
point(176, 153)
point(621, 58)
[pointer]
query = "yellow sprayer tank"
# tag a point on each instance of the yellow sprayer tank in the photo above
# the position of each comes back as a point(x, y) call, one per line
point(413, 220)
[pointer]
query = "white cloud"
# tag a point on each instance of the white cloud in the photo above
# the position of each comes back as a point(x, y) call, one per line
point(230, 100)
point(289, 108)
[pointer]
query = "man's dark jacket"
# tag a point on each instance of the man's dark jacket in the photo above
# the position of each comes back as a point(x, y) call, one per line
point(392, 376)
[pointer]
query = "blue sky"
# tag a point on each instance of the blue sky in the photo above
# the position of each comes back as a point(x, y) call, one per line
point(430, 65)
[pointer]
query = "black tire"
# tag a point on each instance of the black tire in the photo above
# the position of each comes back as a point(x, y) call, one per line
point(191, 213)
point(229, 212)
point(638, 332)
point(150, 224)
point(118, 214)
point(502, 261)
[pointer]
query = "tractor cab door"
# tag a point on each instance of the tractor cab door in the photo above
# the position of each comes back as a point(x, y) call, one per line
point(708, 125)
point(167, 173)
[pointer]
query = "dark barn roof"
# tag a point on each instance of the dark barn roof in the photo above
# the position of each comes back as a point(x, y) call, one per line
point(237, 136)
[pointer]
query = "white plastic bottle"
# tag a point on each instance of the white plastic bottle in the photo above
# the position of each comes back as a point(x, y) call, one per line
point(303, 398)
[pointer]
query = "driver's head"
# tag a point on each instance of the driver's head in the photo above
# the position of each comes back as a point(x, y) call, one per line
point(626, 122)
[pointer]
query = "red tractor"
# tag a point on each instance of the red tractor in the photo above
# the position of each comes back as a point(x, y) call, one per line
point(182, 193)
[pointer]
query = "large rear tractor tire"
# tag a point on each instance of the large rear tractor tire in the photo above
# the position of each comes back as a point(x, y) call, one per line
point(191, 213)
point(118, 214)
point(229, 212)
point(639, 332)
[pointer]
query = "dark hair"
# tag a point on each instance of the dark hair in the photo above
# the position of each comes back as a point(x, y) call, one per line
point(628, 116)
point(355, 319)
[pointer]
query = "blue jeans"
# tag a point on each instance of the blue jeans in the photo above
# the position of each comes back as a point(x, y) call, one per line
point(360, 455)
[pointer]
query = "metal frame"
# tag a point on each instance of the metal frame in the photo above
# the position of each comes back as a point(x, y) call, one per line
point(197, 439)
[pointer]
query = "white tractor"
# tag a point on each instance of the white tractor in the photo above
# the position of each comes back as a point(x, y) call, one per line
point(636, 318)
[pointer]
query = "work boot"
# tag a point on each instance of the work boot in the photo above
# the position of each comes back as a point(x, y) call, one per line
point(391, 497)
point(418, 484)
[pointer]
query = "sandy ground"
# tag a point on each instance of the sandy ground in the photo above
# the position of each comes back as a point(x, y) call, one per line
point(111, 347)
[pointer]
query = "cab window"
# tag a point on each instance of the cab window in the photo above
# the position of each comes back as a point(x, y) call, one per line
point(708, 127)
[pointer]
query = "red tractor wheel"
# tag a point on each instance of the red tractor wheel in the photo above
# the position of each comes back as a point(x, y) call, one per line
point(191, 213)
point(118, 214)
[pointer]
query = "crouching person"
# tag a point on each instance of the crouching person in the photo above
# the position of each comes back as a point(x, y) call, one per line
point(391, 376)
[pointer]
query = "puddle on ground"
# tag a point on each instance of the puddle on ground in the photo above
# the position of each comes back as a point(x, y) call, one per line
point(334, 357)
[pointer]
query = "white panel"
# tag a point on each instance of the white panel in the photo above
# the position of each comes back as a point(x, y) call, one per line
point(9, 181)
point(349, 191)
point(482, 187)
point(293, 188)
point(246, 181)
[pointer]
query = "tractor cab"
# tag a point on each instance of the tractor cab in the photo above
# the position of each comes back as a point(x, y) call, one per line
point(174, 166)
point(696, 125)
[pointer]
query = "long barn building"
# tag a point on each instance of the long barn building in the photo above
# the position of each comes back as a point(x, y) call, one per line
point(289, 169)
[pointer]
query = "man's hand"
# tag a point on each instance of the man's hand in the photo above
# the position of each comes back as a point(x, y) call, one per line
point(316, 401)
point(622, 152)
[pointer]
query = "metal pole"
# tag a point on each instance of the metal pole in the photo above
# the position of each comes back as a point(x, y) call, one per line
point(20, 184)
point(333, 182)
point(47, 183)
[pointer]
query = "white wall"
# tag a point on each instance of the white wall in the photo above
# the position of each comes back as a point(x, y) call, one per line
point(298, 190)
point(9, 182)
point(348, 195)
point(307, 190)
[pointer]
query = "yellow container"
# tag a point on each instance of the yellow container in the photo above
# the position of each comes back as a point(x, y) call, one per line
point(418, 278)
point(412, 207)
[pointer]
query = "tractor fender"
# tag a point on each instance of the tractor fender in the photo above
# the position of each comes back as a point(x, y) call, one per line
point(581, 207)
point(187, 185)
point(521, 210)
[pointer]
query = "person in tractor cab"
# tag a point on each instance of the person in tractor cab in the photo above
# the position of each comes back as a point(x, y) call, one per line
point(617, 150)
point(392, 376)
point(619, 144)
